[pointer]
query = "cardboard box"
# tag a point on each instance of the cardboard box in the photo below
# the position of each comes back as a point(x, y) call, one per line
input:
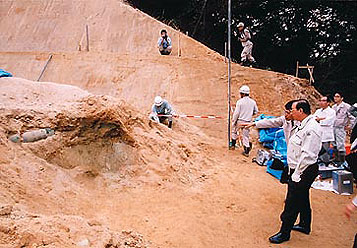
point(342, 181)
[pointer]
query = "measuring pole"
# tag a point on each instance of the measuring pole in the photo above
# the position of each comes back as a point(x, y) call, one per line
point(229, 70)
point(87, 36)
point(44, 68)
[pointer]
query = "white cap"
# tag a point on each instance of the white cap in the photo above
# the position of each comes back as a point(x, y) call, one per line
point(244, 89)
point(158, 100)
point(241, 24)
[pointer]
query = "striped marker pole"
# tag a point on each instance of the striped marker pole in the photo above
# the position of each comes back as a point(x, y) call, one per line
point(194, 116)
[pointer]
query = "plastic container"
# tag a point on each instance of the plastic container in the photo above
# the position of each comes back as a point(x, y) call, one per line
point(348, 149)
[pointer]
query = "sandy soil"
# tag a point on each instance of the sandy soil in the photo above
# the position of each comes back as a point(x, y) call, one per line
point(111, 178)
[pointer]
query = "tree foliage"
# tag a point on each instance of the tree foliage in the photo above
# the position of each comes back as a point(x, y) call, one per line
point(321, 33)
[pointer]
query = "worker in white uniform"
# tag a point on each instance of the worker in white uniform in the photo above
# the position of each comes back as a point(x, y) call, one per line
point(326, 116)
point(162, 112)
point(303, 150)
point(243, 114)
point(344, 122)
point(244, 37)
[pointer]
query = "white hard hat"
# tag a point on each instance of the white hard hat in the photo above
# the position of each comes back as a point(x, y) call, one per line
point(158, 100)
point(241, 24)
point(244, 89)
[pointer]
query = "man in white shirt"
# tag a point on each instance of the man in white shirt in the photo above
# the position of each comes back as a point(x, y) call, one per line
point(326, 116)
point(243, 114)
point(161, 111)
point(245, 38)
point(303, 149)
point(344, 121)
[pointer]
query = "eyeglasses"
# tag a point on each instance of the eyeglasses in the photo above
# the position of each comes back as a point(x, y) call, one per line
point(323, 100)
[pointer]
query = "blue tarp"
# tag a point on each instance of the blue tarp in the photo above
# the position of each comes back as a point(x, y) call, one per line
point(273, 138)
point(5, 73)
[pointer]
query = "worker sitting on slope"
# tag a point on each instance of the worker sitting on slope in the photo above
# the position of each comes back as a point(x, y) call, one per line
point(164, 43)
point(162, 111)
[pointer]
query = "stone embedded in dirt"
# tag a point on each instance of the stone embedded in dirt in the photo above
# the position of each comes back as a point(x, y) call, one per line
point(94, 223)
point(84, 242)
point(5, 210)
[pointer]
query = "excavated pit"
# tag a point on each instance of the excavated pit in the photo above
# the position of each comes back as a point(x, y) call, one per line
point(90, 132)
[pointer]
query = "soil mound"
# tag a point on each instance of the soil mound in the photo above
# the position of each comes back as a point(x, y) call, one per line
point(107, 168)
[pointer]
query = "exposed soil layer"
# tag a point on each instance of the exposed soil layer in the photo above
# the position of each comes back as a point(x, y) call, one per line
point(109, 177)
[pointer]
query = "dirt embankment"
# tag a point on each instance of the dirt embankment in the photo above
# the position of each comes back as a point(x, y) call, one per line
point(98, 140)
point(107, 168)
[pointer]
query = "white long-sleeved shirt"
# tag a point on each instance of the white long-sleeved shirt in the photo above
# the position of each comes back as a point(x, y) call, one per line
point(164, 109)
point(288, 126)
point(165, 43)
point(354, 201)
point(245, 34)
point(327, 124)
point(354, 145)
point(304, 146)
point(245, 109)
point(343, 116)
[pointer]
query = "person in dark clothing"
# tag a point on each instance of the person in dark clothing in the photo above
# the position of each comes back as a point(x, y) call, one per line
point(353, 111)
point(164, 43)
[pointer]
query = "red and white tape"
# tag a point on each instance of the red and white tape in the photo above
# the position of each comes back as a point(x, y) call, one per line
point(194, 116)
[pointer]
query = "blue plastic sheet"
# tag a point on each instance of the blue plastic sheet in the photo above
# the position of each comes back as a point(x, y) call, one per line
point(273, 138)
point(5, 73)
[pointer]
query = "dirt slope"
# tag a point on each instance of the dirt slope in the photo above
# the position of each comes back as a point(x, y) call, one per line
point(108, 170)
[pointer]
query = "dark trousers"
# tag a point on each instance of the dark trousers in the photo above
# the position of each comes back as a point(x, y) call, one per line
point(353, 134)
point(298, 201)
point(166, 120)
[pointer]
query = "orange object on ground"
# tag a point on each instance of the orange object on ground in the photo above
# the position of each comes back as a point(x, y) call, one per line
point(348, 149)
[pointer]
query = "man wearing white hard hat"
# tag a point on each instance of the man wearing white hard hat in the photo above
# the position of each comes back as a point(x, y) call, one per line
point(245, 38)
point(162, 111)
point(243, 114)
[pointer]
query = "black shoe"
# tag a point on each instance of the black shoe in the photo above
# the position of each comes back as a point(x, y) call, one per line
point(170, 124)
point(254, 64)
point(246, 151)
point(250, 146)
point(279, 238)
point(301, 229)
point(245, 63)
point(232, 144)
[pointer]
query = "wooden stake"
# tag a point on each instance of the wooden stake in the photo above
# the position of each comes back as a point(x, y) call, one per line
point(179, 44)
point(297, 68)
point(225, 52)
point(310, 72)
point(87, 35)
point(44, 68)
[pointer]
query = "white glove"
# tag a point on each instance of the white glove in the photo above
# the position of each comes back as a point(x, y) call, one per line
point(296, 177)
point(154, 117)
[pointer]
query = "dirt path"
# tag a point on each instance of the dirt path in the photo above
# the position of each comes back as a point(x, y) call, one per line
point(236, 204)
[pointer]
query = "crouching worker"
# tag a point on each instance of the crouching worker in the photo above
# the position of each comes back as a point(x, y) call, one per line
point(162, 112)
point(164, 43)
